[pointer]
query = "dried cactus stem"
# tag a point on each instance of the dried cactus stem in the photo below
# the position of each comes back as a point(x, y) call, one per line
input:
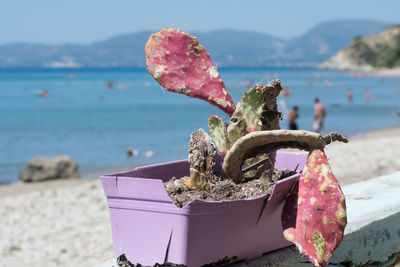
point(202, 158)
point(332, 137)
point(255, 165)
point(251, 143)
point(270, 117)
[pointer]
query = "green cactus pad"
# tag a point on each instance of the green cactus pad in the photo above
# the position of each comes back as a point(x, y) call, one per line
point(237, 125)
point(252, 108)
point(219, 133)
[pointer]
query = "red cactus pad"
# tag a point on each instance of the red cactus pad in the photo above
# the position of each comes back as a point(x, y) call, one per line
point(180, 64)
point(314, 215)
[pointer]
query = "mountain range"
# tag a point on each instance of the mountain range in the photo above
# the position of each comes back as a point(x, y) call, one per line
point(227, 48)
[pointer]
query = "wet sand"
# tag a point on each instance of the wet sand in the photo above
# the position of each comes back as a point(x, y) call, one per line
point(66, 222)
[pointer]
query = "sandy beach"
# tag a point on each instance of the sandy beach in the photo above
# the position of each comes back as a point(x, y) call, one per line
point(360, 70)
point(66, 223)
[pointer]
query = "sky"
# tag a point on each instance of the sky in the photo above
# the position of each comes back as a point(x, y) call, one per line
point(85, 21)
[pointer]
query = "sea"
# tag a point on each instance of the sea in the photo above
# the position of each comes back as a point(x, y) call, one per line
point(96, 115)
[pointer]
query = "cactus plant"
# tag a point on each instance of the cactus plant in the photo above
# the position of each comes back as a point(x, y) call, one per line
point(257, 110)
point(218, 130)
point(237, 126)
point(180, 64)
point(253, 108)
point(314, 215)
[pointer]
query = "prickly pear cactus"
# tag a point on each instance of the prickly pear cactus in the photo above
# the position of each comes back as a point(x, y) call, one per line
point(252, 108)
point(314, 215)
point(219, 134)
point(180, 64)
point(237, 126)
point(257, 111)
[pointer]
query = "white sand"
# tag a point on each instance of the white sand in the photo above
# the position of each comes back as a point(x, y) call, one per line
point(57, 227)
point(374, 155)
point(68, 225)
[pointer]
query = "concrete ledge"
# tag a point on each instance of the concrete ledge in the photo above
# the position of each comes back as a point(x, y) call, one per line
point(372, 236)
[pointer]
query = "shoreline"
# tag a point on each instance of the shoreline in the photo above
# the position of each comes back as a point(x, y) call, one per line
point(392, 131)
point(91, 173)
point(361, 70)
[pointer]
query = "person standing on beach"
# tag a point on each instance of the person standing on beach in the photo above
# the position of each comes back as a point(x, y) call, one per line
point(292, 115)
point(319, 115)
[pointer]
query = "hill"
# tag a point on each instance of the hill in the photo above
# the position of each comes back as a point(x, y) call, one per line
point(376, 55)
point(380, 51)
point(327, 38)
point(228, 48)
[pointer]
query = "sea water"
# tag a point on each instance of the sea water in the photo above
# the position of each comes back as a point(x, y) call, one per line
point(95, 124)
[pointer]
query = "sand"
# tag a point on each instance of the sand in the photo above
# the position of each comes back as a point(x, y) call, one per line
point(362, 70)
point(375, 154)
point(64, 226)
point(66, 223)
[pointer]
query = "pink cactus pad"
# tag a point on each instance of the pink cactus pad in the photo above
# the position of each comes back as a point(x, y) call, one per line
point(180, 64)
point(314, 215)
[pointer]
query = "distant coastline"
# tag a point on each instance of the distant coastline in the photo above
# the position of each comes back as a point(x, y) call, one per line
point(370, 55)
point(360, 70)
point(240, 48)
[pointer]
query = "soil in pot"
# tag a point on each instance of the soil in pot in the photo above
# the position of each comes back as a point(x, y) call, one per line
point(224, 190)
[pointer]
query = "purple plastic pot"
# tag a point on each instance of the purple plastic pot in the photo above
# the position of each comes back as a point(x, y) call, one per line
point(148, 228)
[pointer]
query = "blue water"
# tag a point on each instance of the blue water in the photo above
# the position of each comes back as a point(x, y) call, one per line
point(143, 116)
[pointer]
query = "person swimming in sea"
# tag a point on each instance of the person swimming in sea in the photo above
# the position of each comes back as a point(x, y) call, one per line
point(43, 93)
point(349, 96)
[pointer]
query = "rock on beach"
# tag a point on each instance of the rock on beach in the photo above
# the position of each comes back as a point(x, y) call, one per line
point(43, 168)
